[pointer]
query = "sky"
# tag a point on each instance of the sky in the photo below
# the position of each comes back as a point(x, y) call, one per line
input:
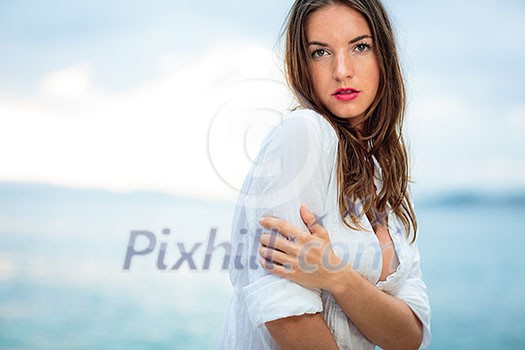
point(177, 96)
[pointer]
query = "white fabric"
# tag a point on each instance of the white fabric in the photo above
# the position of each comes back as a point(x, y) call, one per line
point(297, 164)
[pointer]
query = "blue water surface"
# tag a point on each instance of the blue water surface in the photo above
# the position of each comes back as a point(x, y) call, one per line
point(62, 283)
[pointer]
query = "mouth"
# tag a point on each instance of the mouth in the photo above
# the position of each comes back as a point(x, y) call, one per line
point(345, 91)
point(346, 94)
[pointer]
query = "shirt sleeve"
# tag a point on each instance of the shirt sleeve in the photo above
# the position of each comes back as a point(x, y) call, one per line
point(288, 171)
point(414, 293)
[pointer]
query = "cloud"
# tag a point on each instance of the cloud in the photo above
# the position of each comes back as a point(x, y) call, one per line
point(154, 136)
point(167, 133)
point(72, 82)
point(499, 171)
point(459, 143)
point(7, 268)
point(517, 117)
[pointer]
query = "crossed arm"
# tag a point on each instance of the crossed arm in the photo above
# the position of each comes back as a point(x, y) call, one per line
point(304, 332)
point(384, 319)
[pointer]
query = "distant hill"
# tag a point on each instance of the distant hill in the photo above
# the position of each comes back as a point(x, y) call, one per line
point(14, 192)
point(470, 198)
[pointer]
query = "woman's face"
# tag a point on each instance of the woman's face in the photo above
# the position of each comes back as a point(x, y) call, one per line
point(344, 66)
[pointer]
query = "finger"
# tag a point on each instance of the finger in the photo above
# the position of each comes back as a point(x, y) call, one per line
point(275, 256)
point(313, 222)
point(279, 270)
point(288, 230)
point(307, 216)
point(279, 243)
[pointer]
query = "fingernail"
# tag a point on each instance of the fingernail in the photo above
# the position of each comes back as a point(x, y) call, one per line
point(262, 220)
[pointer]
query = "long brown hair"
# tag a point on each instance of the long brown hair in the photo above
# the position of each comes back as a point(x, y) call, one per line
point(381, 137)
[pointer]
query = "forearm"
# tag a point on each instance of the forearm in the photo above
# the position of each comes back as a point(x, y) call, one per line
point(384, 319)
point(308, 331)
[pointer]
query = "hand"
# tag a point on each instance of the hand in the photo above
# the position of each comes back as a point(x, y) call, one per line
point(306, 258)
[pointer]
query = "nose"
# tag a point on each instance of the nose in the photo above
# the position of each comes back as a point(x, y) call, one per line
point(343, 67)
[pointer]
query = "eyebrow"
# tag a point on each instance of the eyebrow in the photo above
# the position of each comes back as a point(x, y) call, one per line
point(354, 40)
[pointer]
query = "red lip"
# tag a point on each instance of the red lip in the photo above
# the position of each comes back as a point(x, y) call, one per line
point(346, 94)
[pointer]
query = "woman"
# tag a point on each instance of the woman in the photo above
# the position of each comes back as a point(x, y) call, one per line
point(337, 265)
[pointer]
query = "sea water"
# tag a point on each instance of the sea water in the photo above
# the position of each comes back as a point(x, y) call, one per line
point(63, 286)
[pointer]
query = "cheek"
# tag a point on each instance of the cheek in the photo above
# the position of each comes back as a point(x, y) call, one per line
point(375, 75)
point(319, 80)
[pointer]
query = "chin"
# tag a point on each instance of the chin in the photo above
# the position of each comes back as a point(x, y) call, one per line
point(349, 115)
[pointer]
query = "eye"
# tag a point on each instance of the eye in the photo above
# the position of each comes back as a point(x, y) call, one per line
point(362, 47)
point(319, 53)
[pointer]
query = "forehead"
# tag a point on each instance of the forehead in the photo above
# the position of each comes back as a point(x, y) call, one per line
point(335, 23)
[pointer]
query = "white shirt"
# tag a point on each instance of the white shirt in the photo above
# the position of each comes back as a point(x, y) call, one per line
point(297, 164)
